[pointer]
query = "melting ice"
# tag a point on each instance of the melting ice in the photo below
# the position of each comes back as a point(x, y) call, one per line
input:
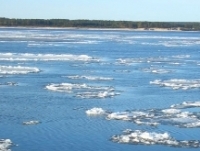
point(34, 122)
point(45, 57)
point(84, 90)
point(17, 70)
point(175, 116)
point(95, 111)
point(178, 83)
point(5, 144)
point(152, 138)
point(93, 78)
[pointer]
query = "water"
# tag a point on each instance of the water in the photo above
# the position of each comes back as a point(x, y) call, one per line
point(74, 89)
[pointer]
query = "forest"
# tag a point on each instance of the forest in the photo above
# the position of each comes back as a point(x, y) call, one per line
point(186, 26)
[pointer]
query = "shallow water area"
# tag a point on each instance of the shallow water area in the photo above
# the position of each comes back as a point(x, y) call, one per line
point(61, 89)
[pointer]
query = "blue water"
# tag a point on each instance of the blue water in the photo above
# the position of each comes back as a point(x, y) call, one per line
point(126, 57)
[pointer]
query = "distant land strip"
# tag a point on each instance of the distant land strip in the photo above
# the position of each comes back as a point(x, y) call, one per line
point(184, 26)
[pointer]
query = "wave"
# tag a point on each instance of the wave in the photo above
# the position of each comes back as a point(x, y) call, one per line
point(178, 83)
point(5, 144)
point(83, 90)
point(139, 137)
point(18, 70)
point(45, 57)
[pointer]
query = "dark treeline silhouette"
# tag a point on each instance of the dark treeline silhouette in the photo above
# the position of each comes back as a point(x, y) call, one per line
point(193, 26)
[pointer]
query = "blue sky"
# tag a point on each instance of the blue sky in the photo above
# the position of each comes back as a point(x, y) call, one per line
point(131, 10)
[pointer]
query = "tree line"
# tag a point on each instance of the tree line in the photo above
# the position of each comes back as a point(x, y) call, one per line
point(194, 26)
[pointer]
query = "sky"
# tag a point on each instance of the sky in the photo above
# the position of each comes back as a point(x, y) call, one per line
point(126, 10)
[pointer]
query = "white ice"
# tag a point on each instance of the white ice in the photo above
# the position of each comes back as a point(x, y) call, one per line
point(154, 117)
point(5, 144)
point(178, 83)
point(95, 111)
point(92, 78)
point(33, 122)
point(188, 104)
point(156, 71)
point(45, 57)
point(18, 70)
point(83, 90)
point(152, 138)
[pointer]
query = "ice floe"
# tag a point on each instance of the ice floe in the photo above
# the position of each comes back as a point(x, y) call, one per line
point(185, 104)
point(181, 56)
point(95, 111)
point(34, 122)
point(174, 115)
point(155, 60)
point(18, 70)
point(128, 116)
point(92, 78)
point(139, 137)
point(178, 83)
point(45, 57)
point(99, 94)
point(155, 117)
point(156, 71)
point(8, 84)
point(84, 90)
point(5, 144)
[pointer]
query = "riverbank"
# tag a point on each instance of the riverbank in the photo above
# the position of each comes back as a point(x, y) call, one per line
point(82, 28)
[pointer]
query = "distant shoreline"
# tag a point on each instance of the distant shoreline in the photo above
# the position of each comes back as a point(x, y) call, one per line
point(100, 24)
point(106, 29)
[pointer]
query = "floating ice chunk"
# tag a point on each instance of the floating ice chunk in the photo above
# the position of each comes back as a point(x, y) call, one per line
point(93, 78)
point(83, 90)
point(118, 116)
point(157, 71)
point(9, 84)
point(151, 138)
point(192, 124)
point(45, 57)
point(186, 105)
point(17, 70)
point(128, 115)
point(5, 144)
point(66, 87)
point(100, 94)
point(151, 123)
point(31, 122)
point(95, 111)
point(171, 111)
point(175, 63)
point(178, 83)
point(154, 117)
point(181, 56)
